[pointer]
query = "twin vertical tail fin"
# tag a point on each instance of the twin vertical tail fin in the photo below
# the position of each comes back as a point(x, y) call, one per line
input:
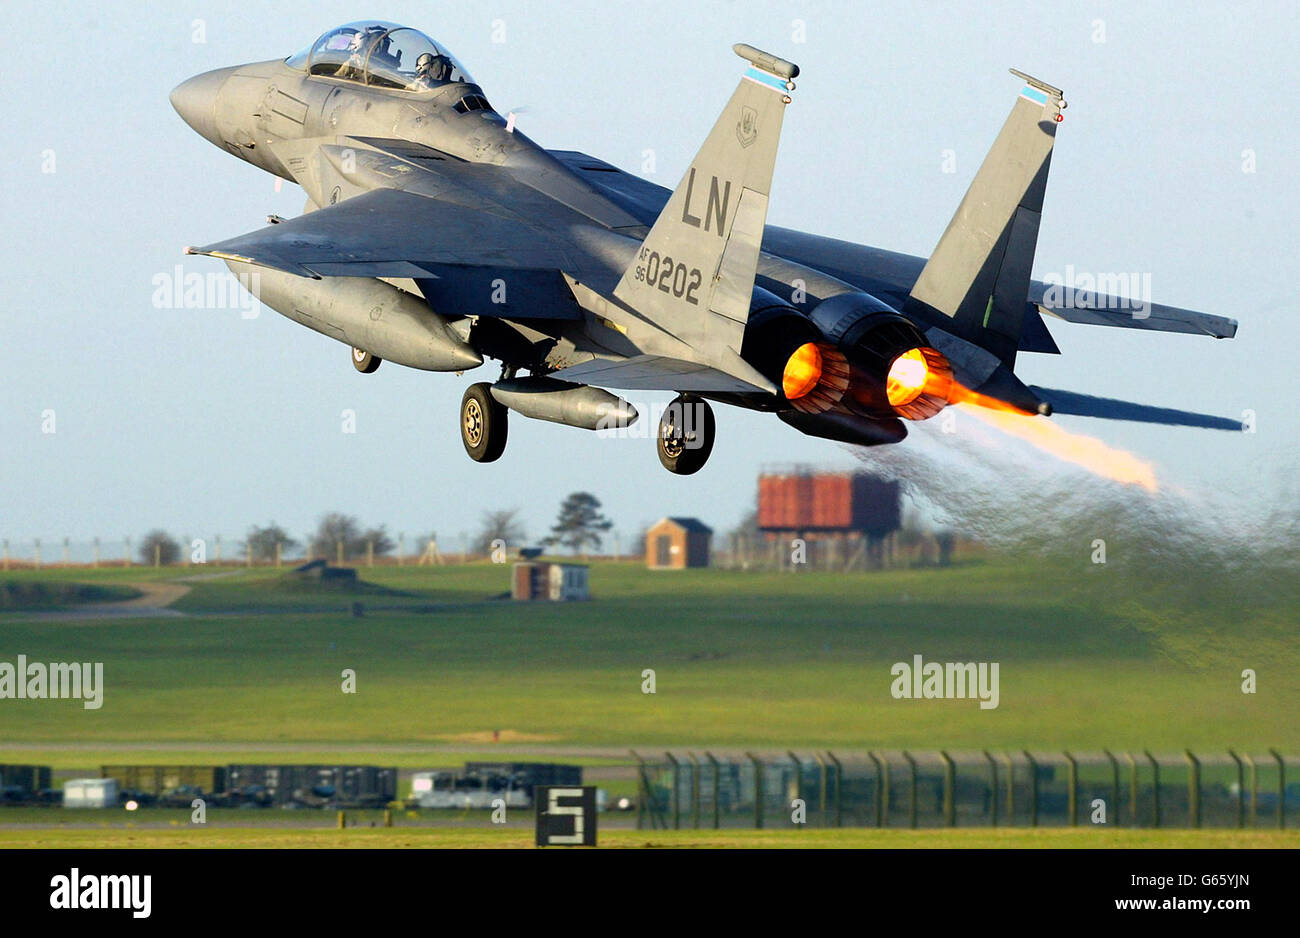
point(979, 273)
point(694, 273)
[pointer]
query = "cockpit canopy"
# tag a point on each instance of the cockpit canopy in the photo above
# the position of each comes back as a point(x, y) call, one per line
point(382, 55)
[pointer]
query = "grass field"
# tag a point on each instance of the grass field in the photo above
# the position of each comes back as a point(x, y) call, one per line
point(427, 838)
point(741, 659)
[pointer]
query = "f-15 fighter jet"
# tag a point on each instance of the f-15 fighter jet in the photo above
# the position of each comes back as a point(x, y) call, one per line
point(436, 234)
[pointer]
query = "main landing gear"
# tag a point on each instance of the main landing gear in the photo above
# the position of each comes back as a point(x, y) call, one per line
point(364, 362)
point(686, 433)
point(483, 423)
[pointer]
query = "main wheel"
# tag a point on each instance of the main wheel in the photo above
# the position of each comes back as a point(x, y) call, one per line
point(483, 423)
point(686, 432)
point(364, 362)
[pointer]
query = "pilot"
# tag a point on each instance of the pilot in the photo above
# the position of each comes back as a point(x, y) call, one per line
point(430, 72)
point(355, 67)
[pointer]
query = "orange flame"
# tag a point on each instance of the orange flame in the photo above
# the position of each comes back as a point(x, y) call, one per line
point(1085, 451)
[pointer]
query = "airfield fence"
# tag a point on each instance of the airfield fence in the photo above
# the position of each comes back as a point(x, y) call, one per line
point(941, 789)
point(232, 551)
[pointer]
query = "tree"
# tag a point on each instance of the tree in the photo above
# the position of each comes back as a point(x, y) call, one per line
point(162, 544)
point(331, 529)
point(378, 540)
point(501, 525)
point(261, 542)
point(580, 523)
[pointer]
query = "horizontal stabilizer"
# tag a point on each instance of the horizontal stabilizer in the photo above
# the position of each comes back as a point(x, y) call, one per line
point(1085, 405)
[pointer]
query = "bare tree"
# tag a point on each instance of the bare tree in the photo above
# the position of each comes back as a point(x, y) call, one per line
point(503, 525)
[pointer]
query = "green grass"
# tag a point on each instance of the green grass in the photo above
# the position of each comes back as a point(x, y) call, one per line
point(741, 659)
point(517, 837)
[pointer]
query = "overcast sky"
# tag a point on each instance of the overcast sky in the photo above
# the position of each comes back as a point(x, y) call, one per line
point(1177, 158)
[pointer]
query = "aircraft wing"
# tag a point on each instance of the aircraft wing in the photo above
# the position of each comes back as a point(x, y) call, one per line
point(393, 233)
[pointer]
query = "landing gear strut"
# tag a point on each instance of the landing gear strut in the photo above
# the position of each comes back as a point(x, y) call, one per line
point(686, 433)
point(364, 362)
point(483, 423)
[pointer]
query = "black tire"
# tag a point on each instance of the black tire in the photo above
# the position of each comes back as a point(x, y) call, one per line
point(364, 362)
point(686, 433)
point(483, 423)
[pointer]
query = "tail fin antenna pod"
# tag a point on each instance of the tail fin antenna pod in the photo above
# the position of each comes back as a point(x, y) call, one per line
point(979, 272)
point(694, 273)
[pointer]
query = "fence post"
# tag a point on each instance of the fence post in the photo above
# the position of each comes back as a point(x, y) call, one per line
point(821, 785)
point(880, 789)
point(1132, 790)
point(717, 787)
point(911, 789)
point(1193, 789)
point(1155, 784)
point(1114, 787)
point(1011, 790)
point(1072, 780)
point(1254, 789)
point(1281, 789)
point(798, 780)
point(758, 790)
point(695, 790)
point(677, 806)
point(839, 788)
point(1033, 789)
point(643, 790)
point(993, 789)
point(949, 783)
point(1241, 789)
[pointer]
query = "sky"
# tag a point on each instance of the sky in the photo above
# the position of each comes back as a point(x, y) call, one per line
point(1177, 159)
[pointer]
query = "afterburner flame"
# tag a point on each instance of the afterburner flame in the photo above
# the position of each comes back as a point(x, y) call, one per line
point(1080, 450)
point(802, 371)
point(907, 377)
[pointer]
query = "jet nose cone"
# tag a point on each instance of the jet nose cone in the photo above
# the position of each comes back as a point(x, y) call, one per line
point(195, 100)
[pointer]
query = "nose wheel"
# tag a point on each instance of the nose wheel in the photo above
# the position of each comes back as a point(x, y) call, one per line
point(483, 423)
point(364, 362)
point(686, 432)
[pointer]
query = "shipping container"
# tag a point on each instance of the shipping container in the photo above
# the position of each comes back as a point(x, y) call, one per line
point(29, 778)
point(160, 779)
point(90, 793)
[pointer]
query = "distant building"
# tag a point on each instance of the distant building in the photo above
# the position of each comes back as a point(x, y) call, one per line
point(559, 582)
point(677, 543)
point(834, 520)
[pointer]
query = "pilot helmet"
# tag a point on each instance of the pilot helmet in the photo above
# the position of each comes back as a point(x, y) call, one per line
point(424, 62)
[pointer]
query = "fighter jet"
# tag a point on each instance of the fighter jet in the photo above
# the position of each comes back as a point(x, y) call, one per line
point(436, 235)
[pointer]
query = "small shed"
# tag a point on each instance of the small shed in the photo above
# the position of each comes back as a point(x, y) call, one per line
point(558, 582)
point(677, 543)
